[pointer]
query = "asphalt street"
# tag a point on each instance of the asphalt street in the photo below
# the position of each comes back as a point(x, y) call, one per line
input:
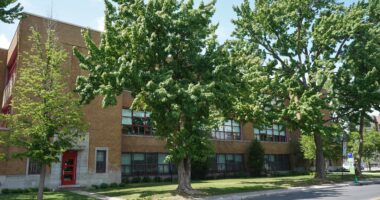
point(364, 192)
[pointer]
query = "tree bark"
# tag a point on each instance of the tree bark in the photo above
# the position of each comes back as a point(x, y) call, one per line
point(42, 183)
point(358, 171)
point(369, 165)
point(320, 159)
point(184, 177)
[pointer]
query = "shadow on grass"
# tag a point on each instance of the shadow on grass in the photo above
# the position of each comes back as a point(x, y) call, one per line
point(230, 190)
point(139, 193)
point(47, 196)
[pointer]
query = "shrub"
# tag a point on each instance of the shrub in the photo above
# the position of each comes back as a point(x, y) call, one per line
point(157, 179)
point(168, 179)
point(29, 190)
point(199, 169)
point(256, 158)
point(114, 185)
point(34, 189)
point(5, 191)
point(46, 189)
point(122, 184)
point(125, 179)
point(136, 179)
point(146, 179)
point(103, 185)
point(95, 187)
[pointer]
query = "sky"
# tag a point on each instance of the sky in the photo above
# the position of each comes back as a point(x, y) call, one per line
point(90, 13)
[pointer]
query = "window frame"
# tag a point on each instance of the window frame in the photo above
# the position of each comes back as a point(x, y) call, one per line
point(268, 134)
point(281, 162)
point(228, 166)
point(147, 126)
point(104, 170)
point(33, 164)
point(221, 130)
point(145, 170)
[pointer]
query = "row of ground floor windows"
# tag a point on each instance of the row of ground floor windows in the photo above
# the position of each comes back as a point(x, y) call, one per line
point(152, 164)
point(155, 164)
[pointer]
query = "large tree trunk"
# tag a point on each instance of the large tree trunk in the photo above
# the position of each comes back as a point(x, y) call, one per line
point(320, 159)
point(358, 165)
point(42, 183)
point(184, 178)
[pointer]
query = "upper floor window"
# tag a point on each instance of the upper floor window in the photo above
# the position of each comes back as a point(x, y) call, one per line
point(230, 130)
point(136, 122)
point(274, 133)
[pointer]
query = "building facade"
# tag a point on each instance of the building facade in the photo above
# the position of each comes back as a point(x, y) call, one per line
point(120, 142)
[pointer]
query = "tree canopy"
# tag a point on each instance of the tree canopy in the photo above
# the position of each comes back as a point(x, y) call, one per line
point(166, 54)
point(301, 44)
point(46, 119)
point(9, 12)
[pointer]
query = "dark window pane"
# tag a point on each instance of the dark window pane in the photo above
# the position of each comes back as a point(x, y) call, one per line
point(101, 161)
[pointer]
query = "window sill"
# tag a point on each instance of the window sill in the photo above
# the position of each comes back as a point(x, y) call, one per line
point(150, 136)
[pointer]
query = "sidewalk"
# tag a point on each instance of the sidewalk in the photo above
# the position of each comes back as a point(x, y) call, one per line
point(246, 195)
point(95, 195)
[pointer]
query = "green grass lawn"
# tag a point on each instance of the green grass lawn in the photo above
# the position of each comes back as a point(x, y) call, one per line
point(47, 196)
point(222, 186)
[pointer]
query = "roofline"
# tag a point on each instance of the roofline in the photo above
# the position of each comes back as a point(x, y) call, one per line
point(63, 22)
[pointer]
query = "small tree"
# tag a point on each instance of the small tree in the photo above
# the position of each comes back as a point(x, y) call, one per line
point(256, 158)
point(46, 119)
point(9, 13)
point(371, 145)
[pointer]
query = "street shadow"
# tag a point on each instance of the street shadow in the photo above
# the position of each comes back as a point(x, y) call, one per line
point(310, 194)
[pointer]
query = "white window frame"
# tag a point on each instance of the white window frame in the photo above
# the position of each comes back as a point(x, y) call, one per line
point(96, 154)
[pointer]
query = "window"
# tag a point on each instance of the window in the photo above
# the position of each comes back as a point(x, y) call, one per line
point(276, 162)
point(274, 133)
point(230, 130)
point(145, 164)
point(136, 122)
point(34, 167)
point(226, 163)
point(101, 159)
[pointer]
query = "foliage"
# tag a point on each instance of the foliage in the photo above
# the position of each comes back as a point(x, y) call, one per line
point(332, 146)
point(199, 169)
point(357, 83)
point(9, 12)
point(371, 144)
point(166, 54)
point(256, 158)
point(299, 53)
point(46, 119)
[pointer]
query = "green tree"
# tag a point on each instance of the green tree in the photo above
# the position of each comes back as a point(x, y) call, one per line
point(370, 148)
point(165, 52)
point(357, 83)
point(9, 13)
point(256, 158)
point(46, 119)
point(332, 146)
point(300, 44)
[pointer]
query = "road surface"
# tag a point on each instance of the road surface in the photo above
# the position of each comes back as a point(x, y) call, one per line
point(364, 192)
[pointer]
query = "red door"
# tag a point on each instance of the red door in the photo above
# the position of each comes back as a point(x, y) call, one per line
point(69, 168)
